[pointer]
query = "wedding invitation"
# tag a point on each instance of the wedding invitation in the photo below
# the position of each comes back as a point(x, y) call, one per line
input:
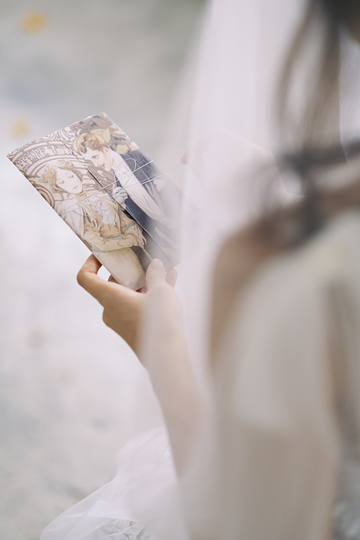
point(109, 192)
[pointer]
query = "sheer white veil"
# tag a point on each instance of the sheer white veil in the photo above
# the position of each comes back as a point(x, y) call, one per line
point(223, 130)
point(227, 135)
point(232, 141)
point(224, 140)
point(221, 150)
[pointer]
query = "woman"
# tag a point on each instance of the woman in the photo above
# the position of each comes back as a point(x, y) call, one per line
point(275, 453)
point(99, 222)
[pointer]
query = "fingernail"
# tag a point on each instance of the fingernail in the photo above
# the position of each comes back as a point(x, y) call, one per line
point(156, 264)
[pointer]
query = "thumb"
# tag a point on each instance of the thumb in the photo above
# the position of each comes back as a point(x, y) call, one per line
point(155, 274)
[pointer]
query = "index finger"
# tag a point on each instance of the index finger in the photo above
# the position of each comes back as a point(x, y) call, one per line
point(88, 279)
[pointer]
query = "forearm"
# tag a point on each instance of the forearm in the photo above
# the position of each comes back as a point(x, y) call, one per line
point(175, 387)
point(152, 325)
point(165, 356)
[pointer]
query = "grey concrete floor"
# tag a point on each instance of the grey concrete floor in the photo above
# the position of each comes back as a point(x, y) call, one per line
point(69, 387)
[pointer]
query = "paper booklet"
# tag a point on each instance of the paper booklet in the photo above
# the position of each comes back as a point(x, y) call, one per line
point(112, 196)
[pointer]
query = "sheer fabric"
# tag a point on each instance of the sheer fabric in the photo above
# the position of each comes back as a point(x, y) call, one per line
point(278, 456)
point(130, 506)
point(277, 452)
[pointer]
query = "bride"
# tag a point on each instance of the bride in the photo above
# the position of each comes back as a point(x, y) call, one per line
point(260, 399)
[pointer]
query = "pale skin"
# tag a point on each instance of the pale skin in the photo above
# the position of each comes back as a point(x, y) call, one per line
point(159, 343)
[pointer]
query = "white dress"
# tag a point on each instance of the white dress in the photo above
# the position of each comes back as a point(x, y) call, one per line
point(278, 457)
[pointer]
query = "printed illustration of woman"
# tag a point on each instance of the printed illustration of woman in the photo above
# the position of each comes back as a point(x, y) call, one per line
point(100, 223)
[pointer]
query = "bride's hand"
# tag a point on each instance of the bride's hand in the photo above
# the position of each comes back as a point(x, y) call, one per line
point(123, 307)
point(151, 323)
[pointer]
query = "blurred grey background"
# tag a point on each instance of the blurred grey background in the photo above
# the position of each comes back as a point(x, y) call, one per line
point(69, 387)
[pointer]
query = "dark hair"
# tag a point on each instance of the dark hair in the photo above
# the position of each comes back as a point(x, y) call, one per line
point(315, 134)
point(319, 22)
point(322, 21)
point(340, 11)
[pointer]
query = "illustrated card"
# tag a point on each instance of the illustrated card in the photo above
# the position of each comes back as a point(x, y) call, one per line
point(109, 192)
